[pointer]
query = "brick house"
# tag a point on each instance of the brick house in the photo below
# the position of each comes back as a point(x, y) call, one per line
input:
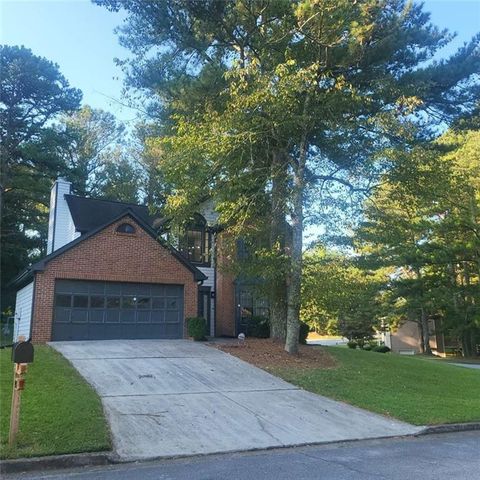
point(109, 273)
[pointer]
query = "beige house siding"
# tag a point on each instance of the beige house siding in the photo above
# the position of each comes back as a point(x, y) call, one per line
point(406, 337)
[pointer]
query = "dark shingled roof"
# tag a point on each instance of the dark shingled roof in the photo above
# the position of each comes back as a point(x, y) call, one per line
point(91, 213)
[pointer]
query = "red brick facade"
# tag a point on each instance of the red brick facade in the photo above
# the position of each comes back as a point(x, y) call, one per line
point(115, 257)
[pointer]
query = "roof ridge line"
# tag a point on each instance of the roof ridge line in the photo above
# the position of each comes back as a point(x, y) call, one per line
point(105, 200)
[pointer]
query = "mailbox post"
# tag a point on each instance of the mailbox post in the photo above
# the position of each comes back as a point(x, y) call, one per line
point(22, 355)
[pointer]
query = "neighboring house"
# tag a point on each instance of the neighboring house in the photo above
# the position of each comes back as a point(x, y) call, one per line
point(109, 274)
point(407, 339)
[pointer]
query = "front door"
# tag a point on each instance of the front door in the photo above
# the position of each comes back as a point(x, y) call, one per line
point(244, 308)
point(204, 305)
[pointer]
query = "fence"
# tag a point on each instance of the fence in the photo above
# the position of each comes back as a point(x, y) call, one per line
point(6, 330)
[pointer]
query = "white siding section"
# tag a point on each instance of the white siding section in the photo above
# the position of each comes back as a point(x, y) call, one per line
point(61, 229)
point(72, 233)
point(51, 218)
point(23, 312)
point(64, 230)
point(207, 209)
point(210, 273)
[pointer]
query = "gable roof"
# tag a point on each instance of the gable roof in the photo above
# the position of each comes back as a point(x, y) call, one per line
point(27, 275)
point(90, 213)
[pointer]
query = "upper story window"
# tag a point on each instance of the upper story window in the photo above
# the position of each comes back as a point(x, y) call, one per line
point(194, 242)
point(125, 228)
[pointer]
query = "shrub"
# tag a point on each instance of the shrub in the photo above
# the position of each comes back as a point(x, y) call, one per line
point(352, 344)
point(303, 333)
point(258, 327)
point(367, 347)
point(381, 349)
point(360, 342)
point(197, 328)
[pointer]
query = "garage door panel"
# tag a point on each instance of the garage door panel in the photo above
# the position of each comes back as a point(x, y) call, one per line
point(157, 316)
point(70, 331)
point(171, 290)
point(112, 302)
point(97, 287)
point(130, 289)
point(157, 291)
point(158, 303)
point(171, 316)
point(127, 316)
point(143, 316)
point(62, 315)
point(172, 303)
point(80, 301)
point(143, 302)
point(111, 331)
point(113, 288)
point(170, 330)
point(79, 316)
point(97, 316)
point(106, 310)
point(97, 301)
point(68, 286)
point(112, 316)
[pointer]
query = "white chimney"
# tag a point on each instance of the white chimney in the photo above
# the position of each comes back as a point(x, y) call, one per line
point(60, 221)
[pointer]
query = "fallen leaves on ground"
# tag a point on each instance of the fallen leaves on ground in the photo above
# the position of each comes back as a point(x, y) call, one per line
point(269, 355)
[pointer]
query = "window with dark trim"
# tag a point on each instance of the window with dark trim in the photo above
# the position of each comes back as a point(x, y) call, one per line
point(63, 300)
point(80, 301)
point(194, 243)
point(125, 228)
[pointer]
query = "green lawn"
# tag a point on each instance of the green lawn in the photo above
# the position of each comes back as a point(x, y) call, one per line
point(408, 388)
point(60, 413)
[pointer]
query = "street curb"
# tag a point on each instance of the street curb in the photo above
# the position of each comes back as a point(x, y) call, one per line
point(55, 462)
point(449, 428)
point(59, 462)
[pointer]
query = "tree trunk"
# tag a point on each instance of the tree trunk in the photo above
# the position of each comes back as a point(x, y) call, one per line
point(278, 313)
point(295, 277)
point(473, 343)
point(467, 350)
point(425, 333)
point(422, 345)
point(278, 285)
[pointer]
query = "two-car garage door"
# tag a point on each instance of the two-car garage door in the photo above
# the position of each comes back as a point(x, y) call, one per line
point(87, 310)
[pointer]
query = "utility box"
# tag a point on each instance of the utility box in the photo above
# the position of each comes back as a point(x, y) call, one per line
point(22, 352)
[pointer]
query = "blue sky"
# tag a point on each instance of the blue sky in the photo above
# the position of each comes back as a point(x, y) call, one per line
point(79, 37)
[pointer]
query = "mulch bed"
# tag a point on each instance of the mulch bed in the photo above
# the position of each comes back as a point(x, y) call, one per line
point(270, 355)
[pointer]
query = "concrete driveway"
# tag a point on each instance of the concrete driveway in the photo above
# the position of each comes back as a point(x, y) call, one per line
point(475, 366)
point(167, 398)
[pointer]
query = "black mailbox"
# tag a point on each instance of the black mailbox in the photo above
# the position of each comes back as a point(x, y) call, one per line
point(22, 352)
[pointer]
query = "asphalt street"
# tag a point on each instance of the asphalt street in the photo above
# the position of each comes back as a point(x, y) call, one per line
point(453, 455)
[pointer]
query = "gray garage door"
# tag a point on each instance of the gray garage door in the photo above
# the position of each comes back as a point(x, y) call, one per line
point(107, 310)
